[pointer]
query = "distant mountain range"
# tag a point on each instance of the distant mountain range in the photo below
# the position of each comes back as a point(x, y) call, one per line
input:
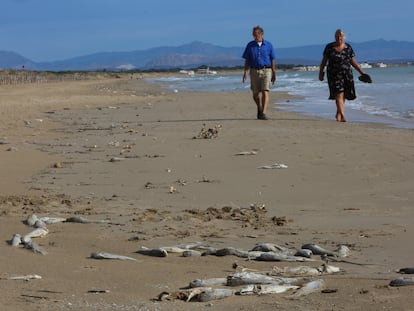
point(196, 54)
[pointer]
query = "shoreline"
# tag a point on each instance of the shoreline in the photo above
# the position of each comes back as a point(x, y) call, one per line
point(304, 104)
point(130, 154)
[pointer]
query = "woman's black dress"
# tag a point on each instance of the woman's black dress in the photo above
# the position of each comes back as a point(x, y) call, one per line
point(339, 73)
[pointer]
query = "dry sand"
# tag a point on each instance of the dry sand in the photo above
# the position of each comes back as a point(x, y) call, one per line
point(345, 184)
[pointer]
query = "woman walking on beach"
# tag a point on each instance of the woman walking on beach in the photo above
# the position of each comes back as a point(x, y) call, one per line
point(259, 58)
point(340, 58)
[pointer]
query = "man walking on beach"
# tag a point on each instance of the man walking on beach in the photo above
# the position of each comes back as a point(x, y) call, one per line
point(259, 58)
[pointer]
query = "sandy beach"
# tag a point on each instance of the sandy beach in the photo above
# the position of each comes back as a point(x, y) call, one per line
point(156, 168)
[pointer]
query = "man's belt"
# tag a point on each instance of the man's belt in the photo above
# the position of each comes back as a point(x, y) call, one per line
point(262, 67)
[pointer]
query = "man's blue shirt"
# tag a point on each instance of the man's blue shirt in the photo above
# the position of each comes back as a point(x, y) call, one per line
point(259, 56)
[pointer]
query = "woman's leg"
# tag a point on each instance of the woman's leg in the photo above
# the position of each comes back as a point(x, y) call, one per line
point(340, 107)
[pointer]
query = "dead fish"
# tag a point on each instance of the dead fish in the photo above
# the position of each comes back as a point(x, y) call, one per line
point(173, 249)
point(39, 224)
point(328, 269)
point(207, 282)
point(406, 270)
point(232, 251)
point(104, 255)
point(37, 233)
point(303, 252)
point(270, 247)
point(273, 166)
point(16, 240)
point(242, 153)
point(52, 220)
point(155, 252)
point(402, 281)
point(213, 294)
point(272, 256)
point(31, 219)
point(23, 277)
point(191, 253)
point(243, 278)
point(264, 289)
point(98, 291)
point(343, 251)
point(296, 270)
point(84, 220)
point(309, 288)
point(200, 294)
point(29, 244)
point(116, 159)
point(318, 250)
point(191, 245)
point(305, 270)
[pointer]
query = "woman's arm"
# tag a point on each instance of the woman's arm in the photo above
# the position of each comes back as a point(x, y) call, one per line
point(355, 64)
point(322, 67)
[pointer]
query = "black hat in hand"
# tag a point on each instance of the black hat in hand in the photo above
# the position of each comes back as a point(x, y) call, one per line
point(365, 78)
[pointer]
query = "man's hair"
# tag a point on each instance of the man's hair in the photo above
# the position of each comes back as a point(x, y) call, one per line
point(257, 27)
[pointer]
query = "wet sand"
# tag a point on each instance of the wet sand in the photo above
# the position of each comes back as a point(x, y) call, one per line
point(135, 155)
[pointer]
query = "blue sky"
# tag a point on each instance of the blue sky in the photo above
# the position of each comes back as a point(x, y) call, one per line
point(46, 30)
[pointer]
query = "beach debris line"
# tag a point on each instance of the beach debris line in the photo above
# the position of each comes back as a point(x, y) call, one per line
point(208, 132)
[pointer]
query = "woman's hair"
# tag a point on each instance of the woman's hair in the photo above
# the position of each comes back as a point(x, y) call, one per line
point(257, 27)
point(339, 32)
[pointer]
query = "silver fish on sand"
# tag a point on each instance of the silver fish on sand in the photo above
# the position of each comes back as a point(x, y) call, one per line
point(305, 270)
point(33, 246)
point(36, 233)
point(16, 240)
point(207, 282)
point(52, 220)
point(22, 277)
point(402, 281)
point(409, 270)
point(273, 166)
point(104, 255)
point(84, 220)
point(243, 153)
point(200, 294)
point(155, 252)
point(309, 288)
point(31, 219)
point(318, 250)
point(264, 289)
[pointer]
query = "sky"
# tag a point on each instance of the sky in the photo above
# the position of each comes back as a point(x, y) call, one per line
point(49, 30)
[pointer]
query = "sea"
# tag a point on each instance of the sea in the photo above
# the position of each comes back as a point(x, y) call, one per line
point(389, 99)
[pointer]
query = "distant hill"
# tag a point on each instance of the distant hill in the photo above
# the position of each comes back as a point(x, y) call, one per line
point(197, 53)
point(13, 60)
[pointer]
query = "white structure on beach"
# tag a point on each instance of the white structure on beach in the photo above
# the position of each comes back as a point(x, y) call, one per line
point(365, 65)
